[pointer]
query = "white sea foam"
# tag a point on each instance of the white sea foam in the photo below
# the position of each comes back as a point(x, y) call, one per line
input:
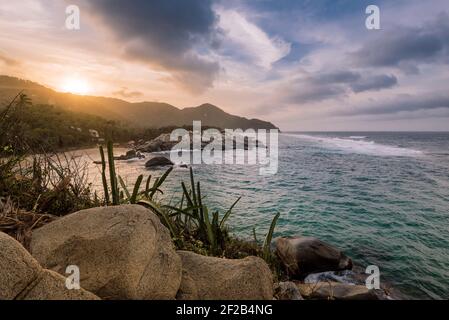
point(359, 146)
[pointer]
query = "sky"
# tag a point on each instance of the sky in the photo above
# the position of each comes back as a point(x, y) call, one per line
point(303, 65)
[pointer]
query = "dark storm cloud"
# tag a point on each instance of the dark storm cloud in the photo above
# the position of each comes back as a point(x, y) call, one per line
point(336, 77)
point(304, 92)
point(402, 104)
point(171, 34)
point(374, 83)
point(323, 86)
point(402, 47)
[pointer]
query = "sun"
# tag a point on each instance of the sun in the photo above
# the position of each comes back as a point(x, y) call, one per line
point(76, 86)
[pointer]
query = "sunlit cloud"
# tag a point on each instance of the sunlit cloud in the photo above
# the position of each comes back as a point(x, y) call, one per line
point(247, 40)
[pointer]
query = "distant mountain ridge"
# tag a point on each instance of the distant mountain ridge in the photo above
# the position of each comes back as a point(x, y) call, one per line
point(142, 114)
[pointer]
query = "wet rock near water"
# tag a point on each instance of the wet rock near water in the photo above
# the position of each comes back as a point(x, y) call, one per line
point(336, 291)
point(131, 154)
point(301, 256)
point(356, 276)
point(159, 162)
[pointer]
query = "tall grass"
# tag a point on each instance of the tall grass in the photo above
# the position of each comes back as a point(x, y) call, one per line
point(117, 191)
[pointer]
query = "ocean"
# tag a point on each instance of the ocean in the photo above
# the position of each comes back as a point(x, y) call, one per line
point(383, 198)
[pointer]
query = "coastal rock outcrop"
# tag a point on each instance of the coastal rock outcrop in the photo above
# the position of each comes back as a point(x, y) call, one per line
point(23, 278)
point(131, 154)
point(158, 162)
point(123, 252)
point(336, 291)
point(161, 143)
point(209, 278)
point(301, 256)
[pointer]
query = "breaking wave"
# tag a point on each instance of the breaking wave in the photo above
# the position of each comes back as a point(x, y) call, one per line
point(359, 145)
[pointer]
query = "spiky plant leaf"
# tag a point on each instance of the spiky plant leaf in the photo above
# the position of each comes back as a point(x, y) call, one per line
point(228, 213)
point(267, 243)
point(133, 198)
point(122, 183)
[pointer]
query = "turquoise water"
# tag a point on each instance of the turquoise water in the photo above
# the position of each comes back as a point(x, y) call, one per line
point(381, 197)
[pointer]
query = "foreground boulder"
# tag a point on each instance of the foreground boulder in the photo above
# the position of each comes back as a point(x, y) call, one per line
point(158, 162)
point(52, 286)
point(304, 255)
point(22, 278)
point(209, 278)
point(123, 252)
point(336, 291)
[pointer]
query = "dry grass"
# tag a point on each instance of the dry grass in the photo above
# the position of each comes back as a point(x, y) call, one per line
point(18, 223)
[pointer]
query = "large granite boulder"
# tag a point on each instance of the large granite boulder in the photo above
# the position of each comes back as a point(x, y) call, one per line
point(188, 289)
point(52, 286)
point(336, 291)
point(123, 252)
point(210, 278)
point(304, 255)
point(22, 277)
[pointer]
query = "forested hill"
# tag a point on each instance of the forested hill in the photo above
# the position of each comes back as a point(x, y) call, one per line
point(144, 114)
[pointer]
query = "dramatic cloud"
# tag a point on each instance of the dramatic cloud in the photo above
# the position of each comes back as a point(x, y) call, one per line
point(336, 77)
point(405, 47)
point(401, 104)
point(374, 83)
point(305, 92)
point(246, 40)
point(174, 35)
point(323, 86)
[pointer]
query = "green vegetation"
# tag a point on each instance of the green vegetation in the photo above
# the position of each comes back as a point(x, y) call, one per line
point(190, 222)
point(137, 115)
point(43, 127)
point(26, 127)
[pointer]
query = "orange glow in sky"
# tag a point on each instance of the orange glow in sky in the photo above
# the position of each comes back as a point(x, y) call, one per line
point(76, 86)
